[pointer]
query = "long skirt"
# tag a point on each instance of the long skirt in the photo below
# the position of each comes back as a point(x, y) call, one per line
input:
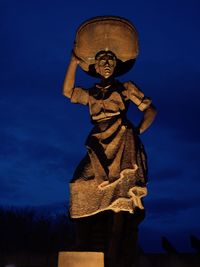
point(113, 174)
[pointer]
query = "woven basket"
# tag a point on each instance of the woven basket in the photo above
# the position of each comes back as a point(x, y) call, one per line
point(115, 34)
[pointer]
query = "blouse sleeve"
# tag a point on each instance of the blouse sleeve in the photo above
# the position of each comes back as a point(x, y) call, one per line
point(136, 96)
point(80, 96)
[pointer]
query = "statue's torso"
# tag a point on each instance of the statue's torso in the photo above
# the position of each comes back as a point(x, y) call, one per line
point(107, 102)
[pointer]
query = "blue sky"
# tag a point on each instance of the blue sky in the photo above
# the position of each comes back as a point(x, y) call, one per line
point(42, 134)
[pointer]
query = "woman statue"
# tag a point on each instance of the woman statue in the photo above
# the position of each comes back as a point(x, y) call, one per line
point(108, 185)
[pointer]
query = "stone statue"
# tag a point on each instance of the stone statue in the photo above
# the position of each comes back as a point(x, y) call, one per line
point(108, 185)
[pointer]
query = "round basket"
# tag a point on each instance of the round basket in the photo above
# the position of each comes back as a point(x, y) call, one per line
point(107, 33)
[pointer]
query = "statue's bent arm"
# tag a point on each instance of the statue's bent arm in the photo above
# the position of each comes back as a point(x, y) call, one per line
point(149, 115)
point(144, 104)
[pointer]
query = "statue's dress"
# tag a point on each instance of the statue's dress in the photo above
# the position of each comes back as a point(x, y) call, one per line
point(113, 174)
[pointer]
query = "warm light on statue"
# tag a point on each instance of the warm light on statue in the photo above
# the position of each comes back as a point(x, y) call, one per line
point(108, 185)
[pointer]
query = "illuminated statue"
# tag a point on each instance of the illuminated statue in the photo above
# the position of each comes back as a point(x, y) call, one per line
point(108, 184)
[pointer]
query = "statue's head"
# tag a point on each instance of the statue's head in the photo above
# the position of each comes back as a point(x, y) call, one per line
point(105, 63)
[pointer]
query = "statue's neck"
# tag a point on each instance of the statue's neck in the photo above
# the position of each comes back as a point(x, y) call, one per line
point(105, 82)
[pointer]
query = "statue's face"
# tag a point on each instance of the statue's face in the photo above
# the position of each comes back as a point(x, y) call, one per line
point(105, 65)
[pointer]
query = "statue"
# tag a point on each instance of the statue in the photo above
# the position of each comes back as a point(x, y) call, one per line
point(108, 185)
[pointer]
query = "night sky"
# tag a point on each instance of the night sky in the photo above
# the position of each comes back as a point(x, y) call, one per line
point(42, 134)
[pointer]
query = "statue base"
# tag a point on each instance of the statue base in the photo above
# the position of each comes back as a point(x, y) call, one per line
point(83, 259)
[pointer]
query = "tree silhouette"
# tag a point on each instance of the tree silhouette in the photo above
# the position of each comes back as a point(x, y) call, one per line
point(25, 230)
point(195, 243)
point(167, 246)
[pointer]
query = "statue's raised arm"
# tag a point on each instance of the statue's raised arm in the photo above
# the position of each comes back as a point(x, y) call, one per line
point(69, 81)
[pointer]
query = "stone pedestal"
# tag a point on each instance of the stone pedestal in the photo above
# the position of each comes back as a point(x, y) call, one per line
point(81, 259)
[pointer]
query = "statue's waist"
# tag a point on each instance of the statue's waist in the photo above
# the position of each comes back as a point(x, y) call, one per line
point(103, 116)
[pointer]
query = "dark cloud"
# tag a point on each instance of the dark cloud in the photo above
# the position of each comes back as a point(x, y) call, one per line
point(169, 174)
point(9, 145)
point(27, 162)
point(170, 207)
point(7, 189)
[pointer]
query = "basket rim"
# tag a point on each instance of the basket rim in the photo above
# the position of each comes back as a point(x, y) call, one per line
point(103, 19)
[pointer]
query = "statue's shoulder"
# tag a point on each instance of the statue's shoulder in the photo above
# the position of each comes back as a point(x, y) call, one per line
point(122, 88)
point(131, 87)
point(129, 84)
